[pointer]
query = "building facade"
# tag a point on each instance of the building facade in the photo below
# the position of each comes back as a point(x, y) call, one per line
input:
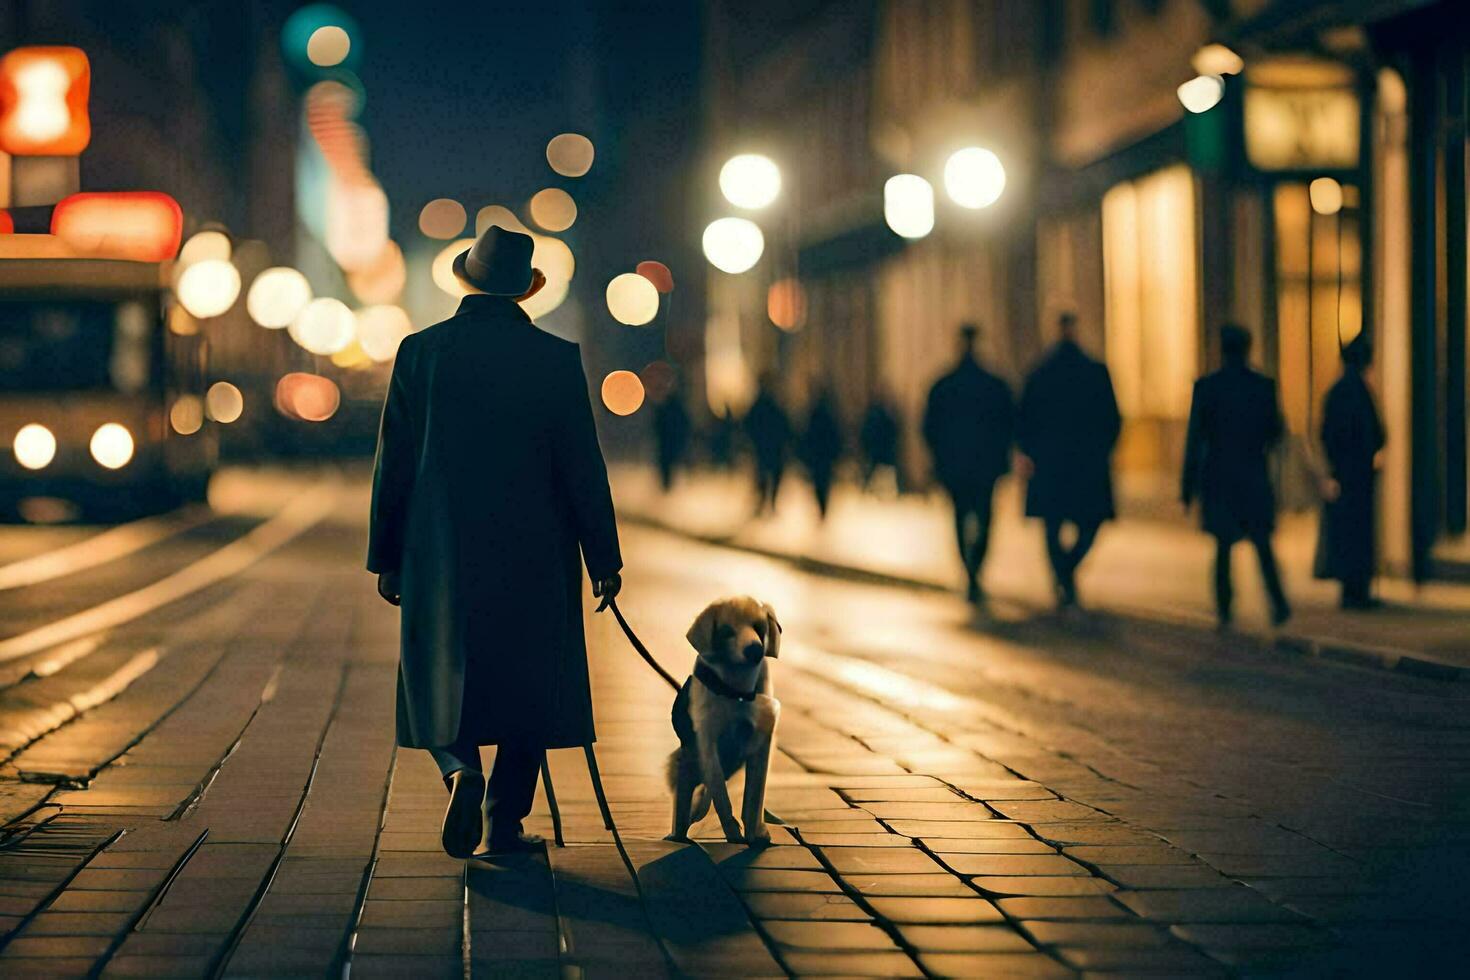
point(1319, 192)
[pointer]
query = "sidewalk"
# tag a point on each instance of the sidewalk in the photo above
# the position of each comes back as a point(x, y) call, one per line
point(1143, 569)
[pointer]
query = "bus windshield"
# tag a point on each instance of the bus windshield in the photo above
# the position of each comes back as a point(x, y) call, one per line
point(74, 345)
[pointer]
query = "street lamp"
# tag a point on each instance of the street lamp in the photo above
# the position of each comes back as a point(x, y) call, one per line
point(750, 181)
point(974, 178)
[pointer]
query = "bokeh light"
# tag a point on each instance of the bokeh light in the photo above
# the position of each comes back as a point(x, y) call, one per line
point(357, 223)
point(658, 379)
point(555, 260)
point(498, 214)
point(750, 180)
point(380, 329)
point(352, 356)
point(974, 177)
point(209, 288)
point(324, 326)
point(570, 154)
point(1217, 59)
point(1325, 194)
point(908, 205)
point(553, 209)
point(186, 415)
point(786, 304)
point(180, 322)
point(381, 280)
point(276, 296)
point(205, 245)
point(442, 217)
point(143, 226)
point(328, 46)
point(632, 299)
point(223, 402)
point(1202, 93)
point(622, 392)
point(34, 446)
point(658, 274)
point(112, 445)
point(308, 397)
point(442, 270)
point(733, 245)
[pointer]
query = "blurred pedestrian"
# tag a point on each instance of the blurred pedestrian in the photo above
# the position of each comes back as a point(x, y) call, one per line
point(488, 569)
point(879, 439)
point(1234, 422)
point(1352, 435)
point(968, 423)
point(671, 428)
point(768, 428)
point(821, 446)
point(1068, 426)
point(721, 437)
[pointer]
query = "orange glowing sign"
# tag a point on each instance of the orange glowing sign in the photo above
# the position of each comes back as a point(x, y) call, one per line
point(43, 102)
point(143, 226)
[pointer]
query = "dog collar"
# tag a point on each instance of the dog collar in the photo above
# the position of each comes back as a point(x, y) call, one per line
point(716, 683)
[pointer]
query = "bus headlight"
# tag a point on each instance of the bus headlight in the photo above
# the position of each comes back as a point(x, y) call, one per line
point(35, 446)
point(112, 445)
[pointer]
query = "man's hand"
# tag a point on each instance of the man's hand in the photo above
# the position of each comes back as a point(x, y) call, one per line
point(390, 587)
point(607, 589)
point(1025, 469)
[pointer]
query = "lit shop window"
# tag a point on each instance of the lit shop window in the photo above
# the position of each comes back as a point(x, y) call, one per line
point(1149, 277)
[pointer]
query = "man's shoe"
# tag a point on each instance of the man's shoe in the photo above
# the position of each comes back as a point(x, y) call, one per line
point(462, 821)
point(518, 843)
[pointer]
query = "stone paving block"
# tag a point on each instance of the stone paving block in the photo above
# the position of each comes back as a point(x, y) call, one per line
point(1125, 854)
point(1004, 789)
point(1043, 886)
point(987, 845)
point(958, 810)
point(406, 967)
point(965, 939)
point(993, 965)
point(99, 901)
point(1255, 935)
point(426, 912)
point(409, 941)
point(44, 967)
point(1141, 877)
point(803, 905)
point(1084, 908)
point(1220, 905)
point(781, 880)
point(1133, 934)
point(1283, 865)
point(923, 910)
point(864, 860)
point(172, 943)
point(493, 946)
point(881, 838)
point(938, 885)
point(1096, 832)
point(1013, 864)
point(1049, 811)
point(1176, 960)
point(736, 856)
point(78, 924)
point(842, 936)
point(441, 887)
point(112, 879)
point(967, 829)
point(909, 794)
point(64, 947)
point(866, 964)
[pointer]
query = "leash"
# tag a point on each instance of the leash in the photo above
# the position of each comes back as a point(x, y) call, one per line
point(612, 603)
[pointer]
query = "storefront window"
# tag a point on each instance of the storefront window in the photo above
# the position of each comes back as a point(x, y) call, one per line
point(1151, 294)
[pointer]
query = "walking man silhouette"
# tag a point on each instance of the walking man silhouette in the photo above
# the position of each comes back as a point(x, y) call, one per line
point(489, 494)
point(768, 428)
point(968, 424)
point(1352, 435)
point(1234, 422)
point(821, 446)
point(1069, 424)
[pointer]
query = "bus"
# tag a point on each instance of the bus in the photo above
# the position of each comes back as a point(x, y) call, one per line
point(101, 403)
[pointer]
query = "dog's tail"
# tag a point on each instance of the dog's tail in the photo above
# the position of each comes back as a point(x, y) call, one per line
point(700, 805)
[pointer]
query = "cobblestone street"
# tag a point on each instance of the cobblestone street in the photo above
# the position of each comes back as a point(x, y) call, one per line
point(200, 780)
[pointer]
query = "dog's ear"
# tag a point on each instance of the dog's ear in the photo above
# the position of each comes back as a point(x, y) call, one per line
point(701, 635)
point(773, 633)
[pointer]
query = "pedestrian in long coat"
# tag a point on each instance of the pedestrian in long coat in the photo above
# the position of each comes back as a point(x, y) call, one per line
point(1352, 435)
point(969, 424)
point(1234, 422)
point(489, 494)
point(821, 447)
point(1068, 426)
point(768, 428)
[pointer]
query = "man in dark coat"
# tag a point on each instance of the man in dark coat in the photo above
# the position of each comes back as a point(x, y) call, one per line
point(1069, 424)
point(489, 493)
point(1234, 421)
point(968, 424)
point(879, 437)
point(671, 427)
point(821, 447)
point(1352, 435)
point(768, 428)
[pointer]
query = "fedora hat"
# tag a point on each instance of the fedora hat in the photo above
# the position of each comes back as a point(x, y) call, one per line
point(499, 263)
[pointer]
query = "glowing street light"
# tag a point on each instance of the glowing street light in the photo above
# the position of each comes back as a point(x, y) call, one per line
point(442, 217)
point(328, 46)
point(750, 181)
point(733, 245)
point(553, 209)
point(1202, 93)
point(112, 445)
point(223, 402)
point(276, 296)
point(209, 288)
point(908, 205)
point(974, 177)
point(325, 326)
point(632, 299)
point(570, 154)
point(34, 446)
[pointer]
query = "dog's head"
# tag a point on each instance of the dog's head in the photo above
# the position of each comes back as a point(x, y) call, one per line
point(736, 632)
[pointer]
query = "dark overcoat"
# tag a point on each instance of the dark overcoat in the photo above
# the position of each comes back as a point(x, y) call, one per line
point(969, 424)
point(1069, 424)
point(489, 482)
point(1234, 421)
point(1352, 435)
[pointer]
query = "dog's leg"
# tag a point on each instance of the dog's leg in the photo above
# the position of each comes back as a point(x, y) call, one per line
point(757, 765)
point(714, 785)
point(686, 778)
